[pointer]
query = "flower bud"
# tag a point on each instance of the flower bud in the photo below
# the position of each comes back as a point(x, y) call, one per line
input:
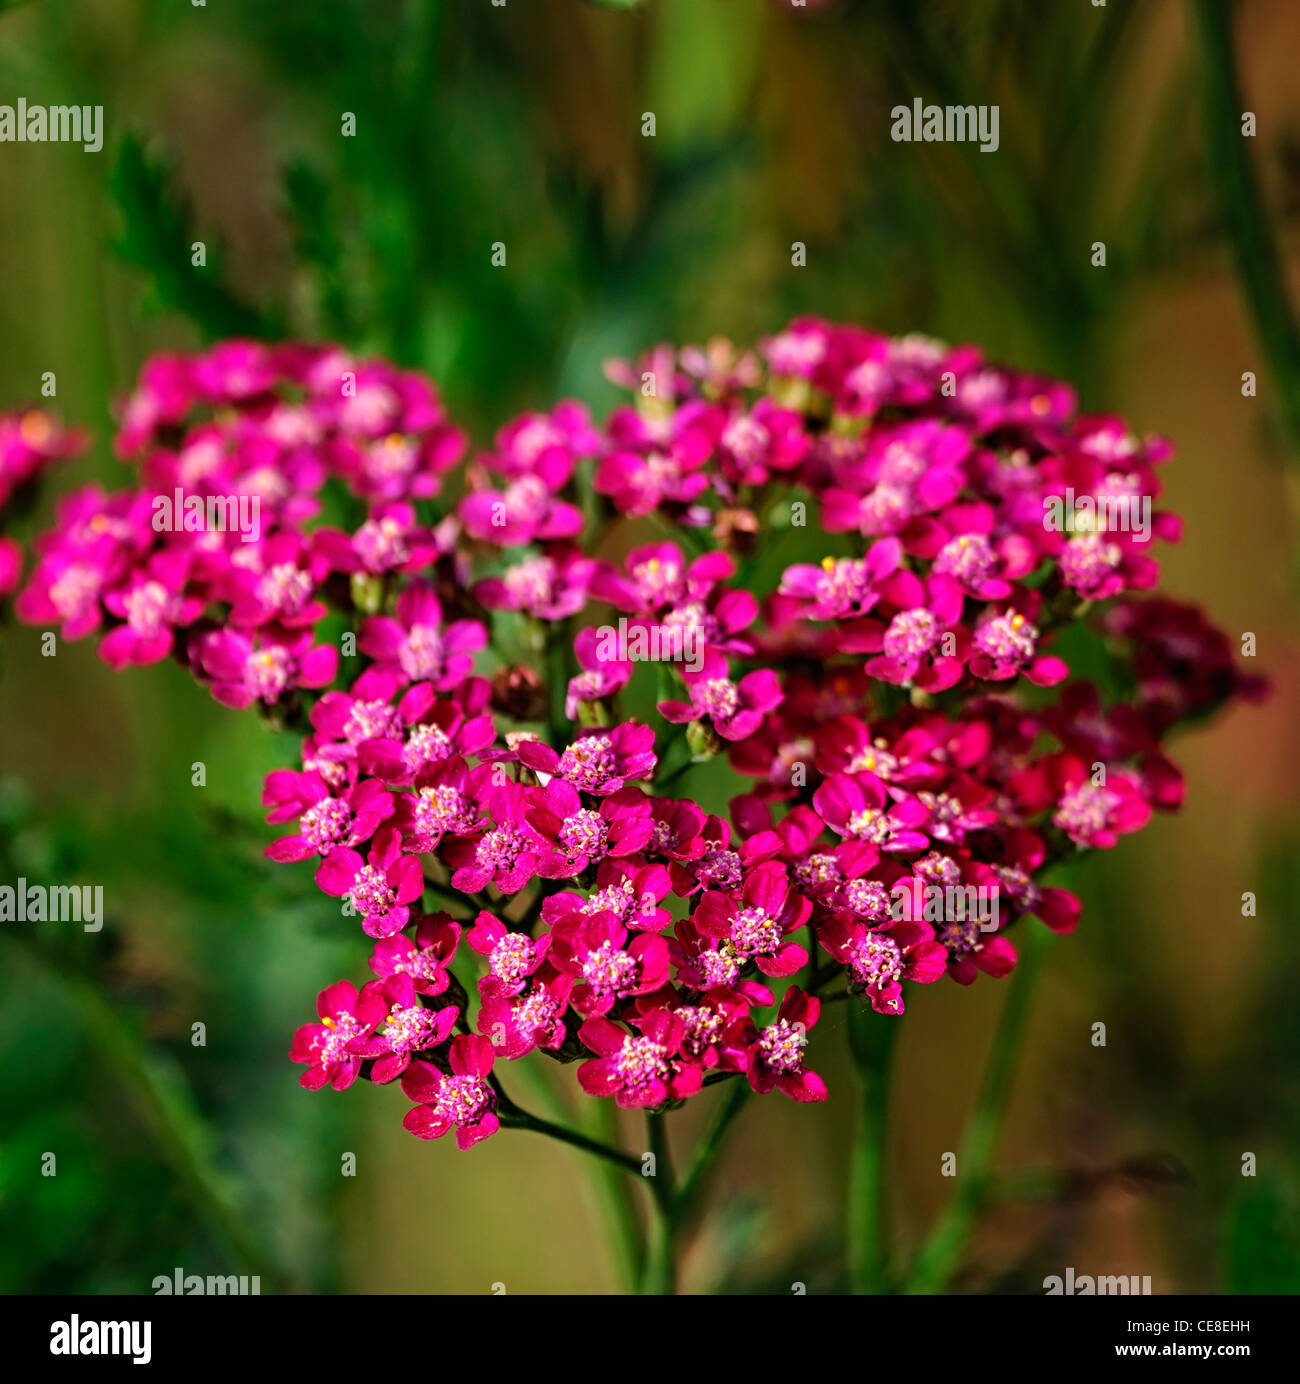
point(367, 593)
point(518, 692)
point(702, 740)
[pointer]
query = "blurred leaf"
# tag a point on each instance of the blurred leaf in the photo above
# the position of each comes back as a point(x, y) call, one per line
point(166, 1103)
point(1263, 1245)
point(695, 93)
point(318, 242)
point(1241, 204)
point(156, 237)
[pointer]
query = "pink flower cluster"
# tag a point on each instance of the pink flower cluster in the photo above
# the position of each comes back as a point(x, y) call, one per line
point(902, 706)
point(30, 442)
point(208, 557)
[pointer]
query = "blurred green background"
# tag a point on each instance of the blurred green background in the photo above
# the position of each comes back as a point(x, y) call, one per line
point(522, 123)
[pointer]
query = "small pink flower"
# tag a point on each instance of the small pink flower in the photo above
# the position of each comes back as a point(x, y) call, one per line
point(512, 957)
point(546, 445)
point(1097, 815)
point(579, 836)
point(607, 967)
point(772, 1057)
point(415, 646)
point(657, 577)
point(600, 678)
point(600, 761)
point(842, 587)
point(640, 1070)
point(879, 958)
point(547, 588)
point(734, 709)
point(241, 670)
point(426, 734)
point(506, 854)
point(325, 1047)
point(277, 580)
point(1007, 644)
point(152, 606)
point(379, 888)
point(390, 540)
point(408, 1027)
point(325, 820)
point(651, 465)
point(628, 891)
point(445, 803)
point(534, 1018)
point(922, 644)
point(425, 960)
point(463, 1101)
point(754, 926)
point(526, 511)
point(858, 806)
point(30, 442)
point(768, 439)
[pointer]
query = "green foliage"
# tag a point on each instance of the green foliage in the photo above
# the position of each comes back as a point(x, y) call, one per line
point(1262, 1244)
point(156, 237)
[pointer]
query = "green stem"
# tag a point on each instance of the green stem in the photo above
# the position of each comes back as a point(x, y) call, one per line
point(559, 729)
point(706, 1151)
point(659, 1276)
point(660, 1272)
point(1259, 264)
point(675, 774)
point(534, 1076)
point(872, 1040)
point(822, 974)
point(447, 896)
point(617, 1204)
point(512, 1117)
point(607, 1187)
point(675, 755)
point(941, 1252)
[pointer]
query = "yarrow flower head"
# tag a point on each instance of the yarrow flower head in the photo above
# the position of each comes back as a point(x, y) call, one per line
point(485, 757)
